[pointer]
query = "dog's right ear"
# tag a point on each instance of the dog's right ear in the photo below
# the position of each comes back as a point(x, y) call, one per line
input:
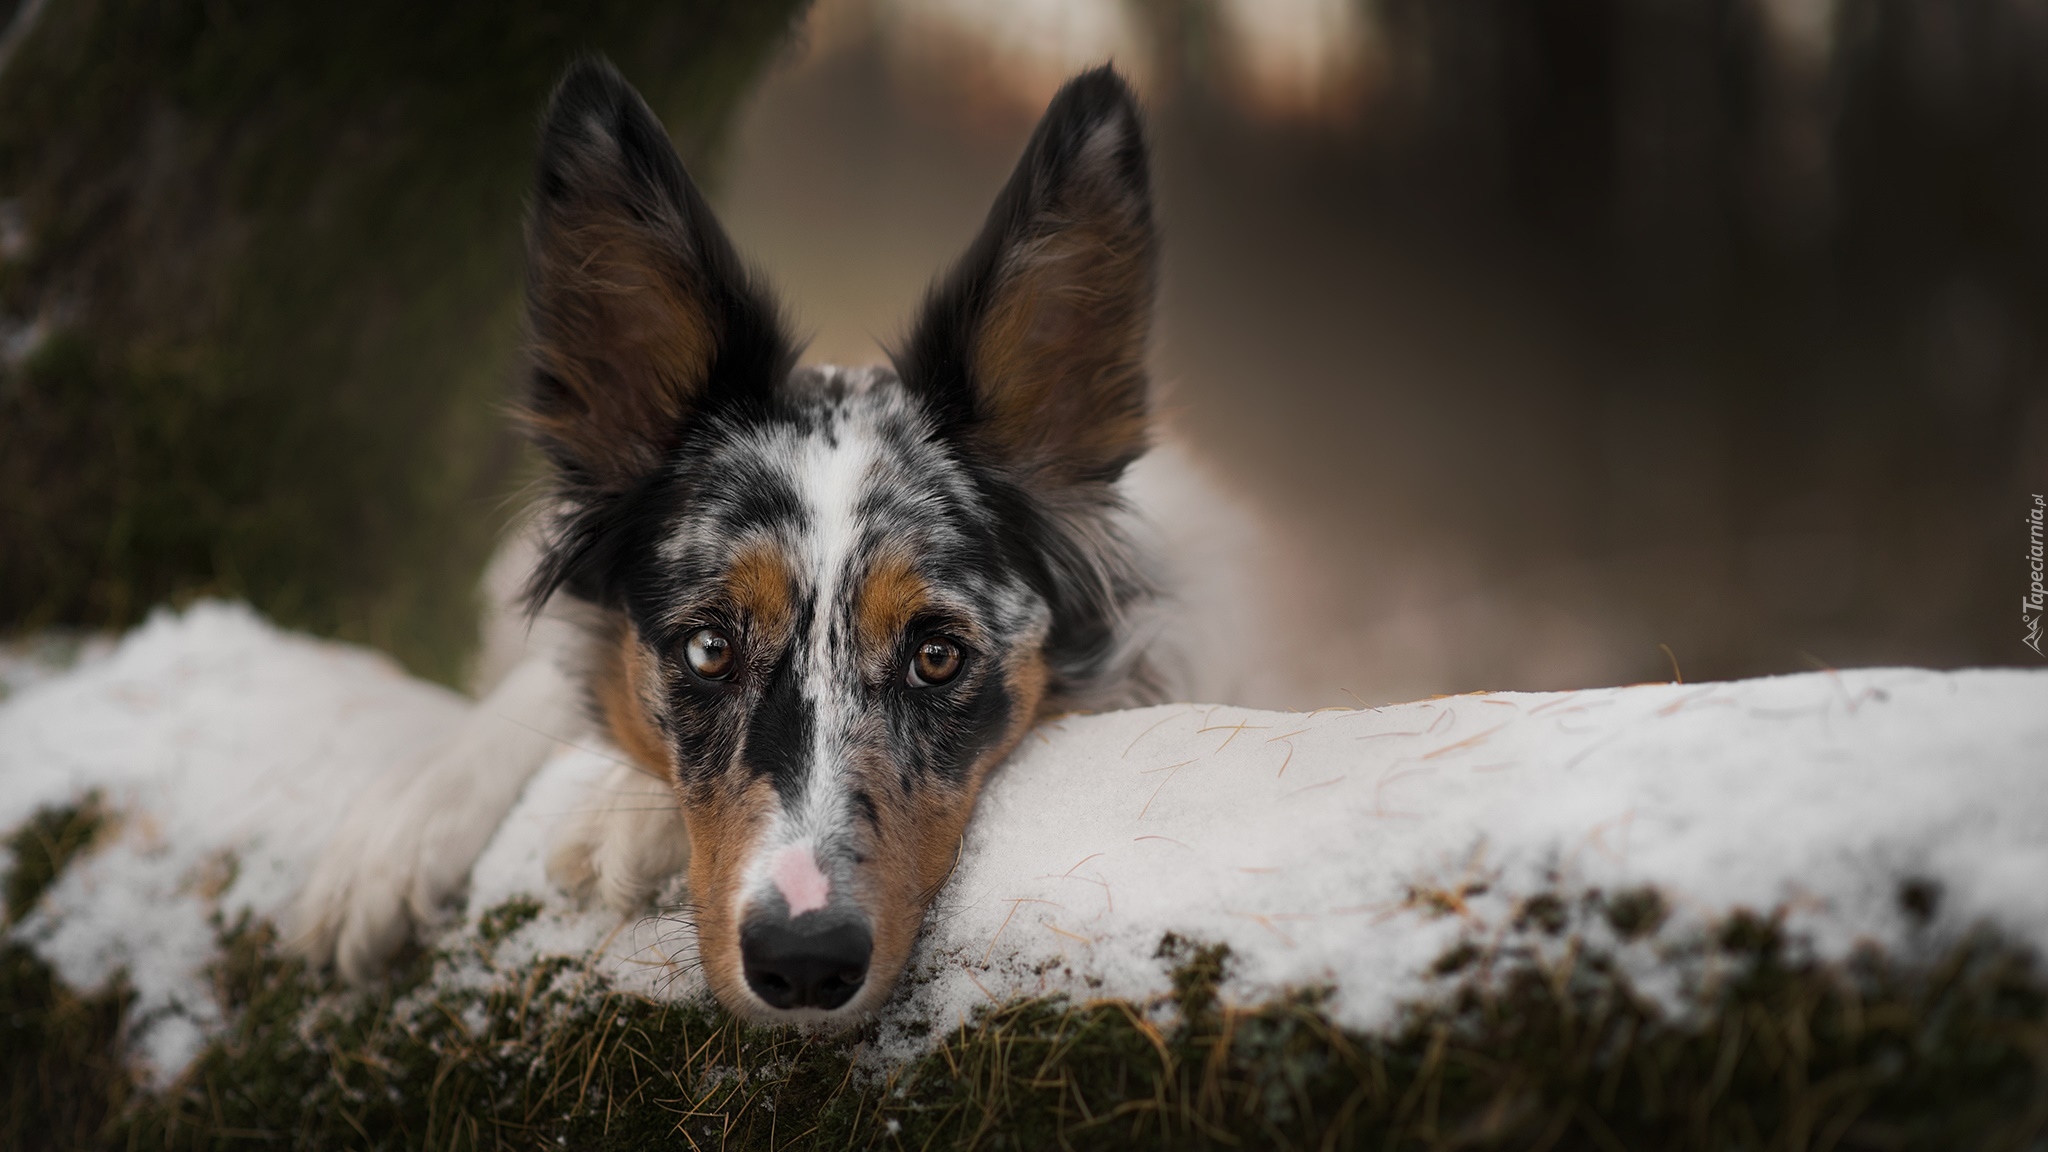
point(1032, 349)
point(640, 312)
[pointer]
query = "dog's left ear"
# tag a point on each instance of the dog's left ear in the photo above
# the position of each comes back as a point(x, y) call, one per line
point(1032, 348)
point(640, 311)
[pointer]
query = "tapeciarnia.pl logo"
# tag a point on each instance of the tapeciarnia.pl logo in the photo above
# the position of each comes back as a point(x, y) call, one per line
point(2031, 606)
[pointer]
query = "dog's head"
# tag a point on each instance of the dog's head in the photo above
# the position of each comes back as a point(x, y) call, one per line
point(838, 597)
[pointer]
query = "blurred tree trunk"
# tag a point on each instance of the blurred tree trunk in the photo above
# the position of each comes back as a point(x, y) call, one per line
point(259, 288)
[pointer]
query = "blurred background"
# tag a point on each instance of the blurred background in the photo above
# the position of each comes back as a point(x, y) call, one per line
point(1556, 342)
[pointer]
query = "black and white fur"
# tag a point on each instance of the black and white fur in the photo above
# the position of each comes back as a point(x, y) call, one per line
point(815, 606)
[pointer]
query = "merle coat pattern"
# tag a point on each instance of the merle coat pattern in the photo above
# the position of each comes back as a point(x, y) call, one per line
point(820, 604)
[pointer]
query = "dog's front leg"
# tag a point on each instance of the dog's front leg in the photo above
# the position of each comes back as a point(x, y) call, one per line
point(403, 852)
point(623, 844)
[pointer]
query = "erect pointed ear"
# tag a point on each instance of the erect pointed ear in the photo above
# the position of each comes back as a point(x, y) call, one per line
point(1033, 346)
point(640, 311)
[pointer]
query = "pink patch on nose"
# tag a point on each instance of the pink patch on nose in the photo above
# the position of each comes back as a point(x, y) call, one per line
point(804, 888)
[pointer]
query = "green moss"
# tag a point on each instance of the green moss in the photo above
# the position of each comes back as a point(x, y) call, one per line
point(1532, 1038)
point(505, 919)
point(1456, 959)
point(277, 249)
point(1920, 899)
point(1636, 913)
point(1544, 912)
point(1529, 1045)
point(42, 847)
point(61, 1072)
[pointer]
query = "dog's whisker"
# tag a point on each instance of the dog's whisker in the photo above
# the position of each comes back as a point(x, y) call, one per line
point(562, 740)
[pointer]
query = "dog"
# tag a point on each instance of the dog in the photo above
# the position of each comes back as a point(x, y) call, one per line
point(813, 607)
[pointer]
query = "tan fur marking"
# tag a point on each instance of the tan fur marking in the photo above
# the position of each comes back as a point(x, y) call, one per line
point(624, 683)
point(725, 819)
point(1027, 676)
point(921, 833)
point(760, 584)
point(890, 597)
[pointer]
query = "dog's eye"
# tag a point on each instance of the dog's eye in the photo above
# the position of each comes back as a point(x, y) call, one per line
point(937, 662)
point(710, 653)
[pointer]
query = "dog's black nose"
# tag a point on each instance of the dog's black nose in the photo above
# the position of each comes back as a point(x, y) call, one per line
point(808, 962)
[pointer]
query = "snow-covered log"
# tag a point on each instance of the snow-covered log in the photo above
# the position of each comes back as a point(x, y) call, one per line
point(1343, 848)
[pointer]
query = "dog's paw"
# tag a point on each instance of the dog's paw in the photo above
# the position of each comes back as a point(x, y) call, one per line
point(623, 844)
point(398, 865)
point(400, 861)
point(357, 909)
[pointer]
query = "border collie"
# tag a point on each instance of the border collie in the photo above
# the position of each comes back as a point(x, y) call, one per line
point(814, 607)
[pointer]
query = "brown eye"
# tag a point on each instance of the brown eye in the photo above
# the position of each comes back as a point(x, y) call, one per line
point(710, 653)
point(937, 662)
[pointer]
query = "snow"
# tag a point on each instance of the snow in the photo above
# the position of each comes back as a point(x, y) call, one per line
point(34, 659)
point(1298, 839)
point(228, 750)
